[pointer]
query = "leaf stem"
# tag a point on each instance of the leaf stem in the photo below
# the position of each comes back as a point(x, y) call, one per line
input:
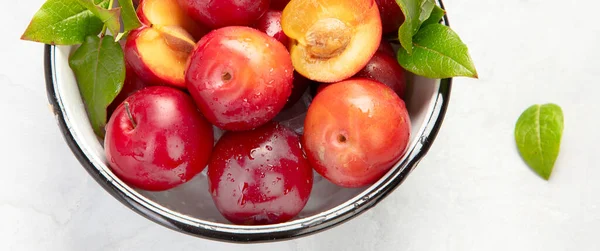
point(110, 5)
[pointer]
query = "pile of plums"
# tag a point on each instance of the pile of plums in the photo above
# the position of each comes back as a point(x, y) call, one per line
point(197, 66)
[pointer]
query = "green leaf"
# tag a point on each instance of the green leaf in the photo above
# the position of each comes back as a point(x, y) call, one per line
point(426, 9)
point(129, 16)
point(63, 22)
point(436, 16)
point(438, 53)
point(538, 134)
point(110, 17)
point(99, 66)
point(415, 12)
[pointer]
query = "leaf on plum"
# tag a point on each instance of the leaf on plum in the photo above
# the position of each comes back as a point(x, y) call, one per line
point(415, 12)
point(427, 7)
point(110, 17)
point(129, 16)
point(63, 22)
point(436, 16)
point(438, 52)
point(99, 67)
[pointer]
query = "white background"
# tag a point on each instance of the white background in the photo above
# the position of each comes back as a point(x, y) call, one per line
point(471, 192)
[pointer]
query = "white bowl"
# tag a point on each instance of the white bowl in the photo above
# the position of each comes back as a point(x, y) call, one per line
point(189, 207)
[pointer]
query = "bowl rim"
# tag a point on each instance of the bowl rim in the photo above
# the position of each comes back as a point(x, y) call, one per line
point(234, 233)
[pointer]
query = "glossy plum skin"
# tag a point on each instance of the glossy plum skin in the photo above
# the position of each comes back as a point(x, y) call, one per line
point(168, 145)
point(221, 13)
point(386, 48)
point(259, 177)
point(239, 77)
point(385, 69)
point(270, 23)
point(391, 15)
point(355, 131)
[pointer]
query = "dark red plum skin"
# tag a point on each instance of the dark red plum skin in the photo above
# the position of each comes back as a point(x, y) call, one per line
point(385, 69)
point(260, 176)
point(391, 15)
point(217, 14)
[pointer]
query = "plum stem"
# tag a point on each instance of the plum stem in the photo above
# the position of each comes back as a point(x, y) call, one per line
point(128, 111)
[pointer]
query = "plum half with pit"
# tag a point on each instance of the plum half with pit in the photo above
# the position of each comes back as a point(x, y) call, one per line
point(168, 13)
point(260, 176)
point(158, 54)
point(239, 77)
point(331, 40)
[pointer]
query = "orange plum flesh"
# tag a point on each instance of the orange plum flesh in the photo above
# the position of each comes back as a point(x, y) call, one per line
point(168, 13)
point(159, 54)
point(331, 40)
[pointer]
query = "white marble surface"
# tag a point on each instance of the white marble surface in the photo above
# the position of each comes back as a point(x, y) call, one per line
point(471, 192)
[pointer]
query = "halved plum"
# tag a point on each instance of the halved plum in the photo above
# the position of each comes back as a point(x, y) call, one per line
point(331, 39)
point(158, 54)
point(168, 13)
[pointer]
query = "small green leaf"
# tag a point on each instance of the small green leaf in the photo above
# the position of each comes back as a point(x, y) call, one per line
point(436, 16)
point(415, 12)
point(538, 134)
point(130, 18)
point(63, 22)
point(110, 17)
point(99, 66)
point(438, 53)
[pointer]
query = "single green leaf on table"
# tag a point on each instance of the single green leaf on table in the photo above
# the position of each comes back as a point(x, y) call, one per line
point(438, 53)
point(110, 17)
point(129, 16)
point(436, 16)
point(99, 66)
point(538, 134)
point(415, 12)
point(63, 22)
